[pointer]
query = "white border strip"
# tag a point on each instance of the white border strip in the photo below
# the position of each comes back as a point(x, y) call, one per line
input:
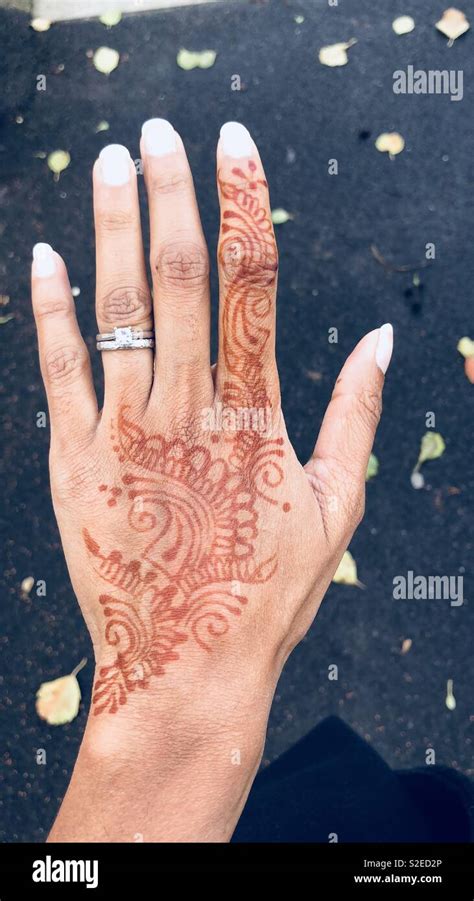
point(62, 10)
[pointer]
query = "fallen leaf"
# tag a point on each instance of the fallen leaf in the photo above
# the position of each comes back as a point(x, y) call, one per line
point(106, 59)
point(58, 701)
point(111, 17)
point(346, 572)
point(450, 699)
point(280, 216)
point(314, 375)
point(390, 142)
point(27, 584)
point(7, 318)
point(58, 161)
point(372, 468)
point(406, 645)
point(40, 24)
point(466, 347)
point(432, 447)
point(102, 126)
point(403, 25)
point(336, 54)
point(188, 59)
point(453, 24)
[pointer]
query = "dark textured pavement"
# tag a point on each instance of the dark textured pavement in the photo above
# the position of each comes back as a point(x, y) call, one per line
point(301, 114)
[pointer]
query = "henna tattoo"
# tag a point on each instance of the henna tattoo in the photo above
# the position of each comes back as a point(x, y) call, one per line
point(196, 512)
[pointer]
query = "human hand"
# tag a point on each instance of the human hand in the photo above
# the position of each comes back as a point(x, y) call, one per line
point(198, 546)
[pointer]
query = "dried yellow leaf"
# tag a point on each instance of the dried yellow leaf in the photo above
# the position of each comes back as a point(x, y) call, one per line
point(466, 347)
point(346, 572)
point(336, 54)
point(40, 24)
point(188, 59)
point(58, 161)
point(390, 142)
point(453, 24)
point(58, 701)
point(403, 25)
point(106, 59)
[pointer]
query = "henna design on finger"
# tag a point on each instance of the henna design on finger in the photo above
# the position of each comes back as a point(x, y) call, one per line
point(193, 510)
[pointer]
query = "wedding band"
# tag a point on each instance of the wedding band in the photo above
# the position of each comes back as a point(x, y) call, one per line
point(126, 338)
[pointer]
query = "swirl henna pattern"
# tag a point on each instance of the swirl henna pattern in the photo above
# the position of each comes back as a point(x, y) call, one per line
point(196, 512)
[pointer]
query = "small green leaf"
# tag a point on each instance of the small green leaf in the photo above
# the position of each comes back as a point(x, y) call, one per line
point(372, 468)
point(450, 700)
point(466, 347)
point(102, 126)
point(58, 161)
point(188, 59)
point(5, 319)
point(432, 447)
point(280, 216)
point(106, 59)
point(111, 17)
point(346, 572)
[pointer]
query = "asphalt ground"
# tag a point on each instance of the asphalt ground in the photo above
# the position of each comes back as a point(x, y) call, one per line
point(301, 114)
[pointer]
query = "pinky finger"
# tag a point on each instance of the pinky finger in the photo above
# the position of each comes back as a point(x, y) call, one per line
point(64, 359)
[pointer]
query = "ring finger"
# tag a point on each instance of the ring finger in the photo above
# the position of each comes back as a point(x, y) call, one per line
point(122, 293)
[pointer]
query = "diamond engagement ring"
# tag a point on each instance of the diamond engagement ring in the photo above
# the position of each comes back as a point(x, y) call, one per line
point(126, 338)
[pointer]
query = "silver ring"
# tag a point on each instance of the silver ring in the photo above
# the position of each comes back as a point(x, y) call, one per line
point(125, 338)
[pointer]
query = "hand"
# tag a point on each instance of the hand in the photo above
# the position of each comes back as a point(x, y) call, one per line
point(198, 546)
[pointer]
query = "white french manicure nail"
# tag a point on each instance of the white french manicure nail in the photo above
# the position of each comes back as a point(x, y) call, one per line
point(236, 140)
point(44, 263)
point(383, 352)
point(115, 165)
point(159, 137)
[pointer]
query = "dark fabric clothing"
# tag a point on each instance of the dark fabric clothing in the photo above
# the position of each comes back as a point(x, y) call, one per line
point(333, 782)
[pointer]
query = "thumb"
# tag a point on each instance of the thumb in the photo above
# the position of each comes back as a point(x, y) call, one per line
point(338, 466)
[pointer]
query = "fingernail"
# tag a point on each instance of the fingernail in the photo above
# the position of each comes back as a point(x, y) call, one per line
point(44, 263)
point(383, 352)
point(159, 137)
point(115, 164)
point(236, 140)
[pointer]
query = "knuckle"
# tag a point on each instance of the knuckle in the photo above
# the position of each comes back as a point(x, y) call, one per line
point(170, 182)
point(182, 266)
point(115, 220)
point(125, 305)
point(340, 494)
point(59, 306)
point(369, 408)
point(253, 261)
point(63, 365)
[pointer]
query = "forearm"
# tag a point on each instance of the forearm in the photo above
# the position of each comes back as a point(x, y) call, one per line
point(178, 778)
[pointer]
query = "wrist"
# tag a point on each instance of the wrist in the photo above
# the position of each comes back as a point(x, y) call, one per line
point(182, 773)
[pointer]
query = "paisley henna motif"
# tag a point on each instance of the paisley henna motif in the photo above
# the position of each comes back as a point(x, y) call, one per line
point(197, 513)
